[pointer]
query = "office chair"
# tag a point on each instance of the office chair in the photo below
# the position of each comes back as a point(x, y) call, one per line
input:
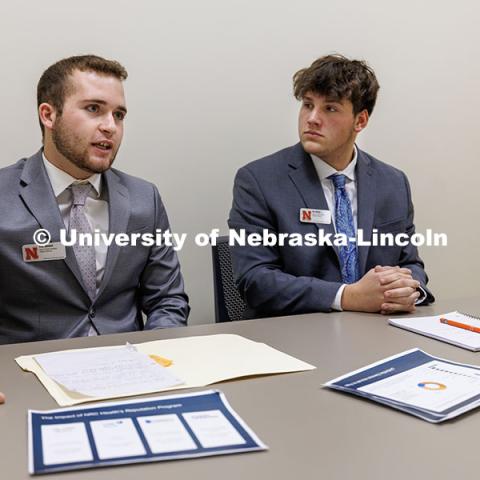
point(229, 305)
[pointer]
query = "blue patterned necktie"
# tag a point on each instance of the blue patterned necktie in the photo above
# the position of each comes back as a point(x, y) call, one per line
point(344, 224)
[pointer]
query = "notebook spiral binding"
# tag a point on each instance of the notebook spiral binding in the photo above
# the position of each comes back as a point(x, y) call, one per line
point(473, 317)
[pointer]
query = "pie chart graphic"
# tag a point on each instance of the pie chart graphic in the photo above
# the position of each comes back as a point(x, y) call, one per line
point(432, 386)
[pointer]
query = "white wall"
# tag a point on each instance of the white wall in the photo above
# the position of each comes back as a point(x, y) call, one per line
point(210, 89)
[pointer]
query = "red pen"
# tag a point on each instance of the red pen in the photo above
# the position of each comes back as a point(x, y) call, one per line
point(465, 326)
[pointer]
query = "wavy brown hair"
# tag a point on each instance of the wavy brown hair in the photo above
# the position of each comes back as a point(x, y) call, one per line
point(339, 78)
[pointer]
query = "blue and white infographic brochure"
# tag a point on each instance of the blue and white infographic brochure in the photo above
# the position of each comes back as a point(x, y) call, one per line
point(417, 383)
point(136, 431)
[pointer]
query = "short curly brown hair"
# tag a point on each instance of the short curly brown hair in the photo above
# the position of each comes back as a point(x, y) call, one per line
point(339, 78)
point(53, 86)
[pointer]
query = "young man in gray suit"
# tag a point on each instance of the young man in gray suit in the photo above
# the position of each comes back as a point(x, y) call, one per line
point(57, 291)
point(323, 186)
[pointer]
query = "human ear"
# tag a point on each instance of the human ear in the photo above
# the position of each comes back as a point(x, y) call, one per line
point(361, 121)
point(47, 115)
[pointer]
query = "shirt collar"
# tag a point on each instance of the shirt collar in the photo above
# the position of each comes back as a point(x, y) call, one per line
point(324, 170)
point(61, 180)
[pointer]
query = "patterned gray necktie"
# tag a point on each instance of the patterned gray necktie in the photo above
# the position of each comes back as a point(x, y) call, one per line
point(85, 254)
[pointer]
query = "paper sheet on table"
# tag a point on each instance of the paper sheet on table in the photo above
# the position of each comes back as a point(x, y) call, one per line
point(199, 361)
point(463, 384)
point(432, 327)
point(112, 372)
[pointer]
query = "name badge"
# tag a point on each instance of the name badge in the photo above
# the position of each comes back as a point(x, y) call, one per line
point(312, 215)
point(43, 253)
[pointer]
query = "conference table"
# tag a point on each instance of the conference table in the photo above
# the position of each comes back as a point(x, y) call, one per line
point(311, 431)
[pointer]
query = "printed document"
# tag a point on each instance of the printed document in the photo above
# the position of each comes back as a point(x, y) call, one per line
point(66, 443)
point(415, 382)
point(442, 386)
point(170, 427)
point(166, 433)
point(116, 438)
point(111, 372)
point(213, 429)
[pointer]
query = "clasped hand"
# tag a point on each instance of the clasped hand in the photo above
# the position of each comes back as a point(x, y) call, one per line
point(383, 289)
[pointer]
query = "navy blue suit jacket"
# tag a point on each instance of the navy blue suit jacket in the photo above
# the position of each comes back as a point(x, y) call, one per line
point(269, 193)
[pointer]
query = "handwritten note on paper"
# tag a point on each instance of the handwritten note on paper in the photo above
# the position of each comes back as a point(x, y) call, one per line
point(107, 373)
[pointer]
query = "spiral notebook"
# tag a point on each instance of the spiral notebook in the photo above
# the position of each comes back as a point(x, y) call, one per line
point(434, 328)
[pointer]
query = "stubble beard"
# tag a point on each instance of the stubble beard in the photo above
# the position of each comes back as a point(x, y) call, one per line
point(70, 146)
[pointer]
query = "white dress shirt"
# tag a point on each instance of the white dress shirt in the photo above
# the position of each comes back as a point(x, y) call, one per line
point(96, 208)
point(324, 170)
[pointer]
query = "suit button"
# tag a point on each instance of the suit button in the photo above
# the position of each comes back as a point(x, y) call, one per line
point(91, 313)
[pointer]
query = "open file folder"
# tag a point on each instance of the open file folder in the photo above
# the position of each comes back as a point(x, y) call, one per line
point(198, 361)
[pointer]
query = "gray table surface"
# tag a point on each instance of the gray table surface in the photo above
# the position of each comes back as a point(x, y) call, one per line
point(312, 432)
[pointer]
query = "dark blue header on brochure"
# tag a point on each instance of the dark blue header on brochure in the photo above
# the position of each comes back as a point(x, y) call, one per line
point(385, 370)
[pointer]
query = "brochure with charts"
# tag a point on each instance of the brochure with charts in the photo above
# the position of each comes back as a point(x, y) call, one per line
point(149, 430)
point(415, 382)
point(434, 327)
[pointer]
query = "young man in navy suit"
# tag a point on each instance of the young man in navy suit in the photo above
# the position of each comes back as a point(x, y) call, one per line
point(322, 187)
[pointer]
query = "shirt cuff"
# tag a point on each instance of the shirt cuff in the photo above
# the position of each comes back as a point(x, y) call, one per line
point(337, 301)
point(421, 298)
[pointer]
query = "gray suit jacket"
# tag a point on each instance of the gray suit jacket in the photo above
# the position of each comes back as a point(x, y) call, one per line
point(269, 193)
point(47, 299)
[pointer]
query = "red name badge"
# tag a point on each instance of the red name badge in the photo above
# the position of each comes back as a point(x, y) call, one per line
point(313, 215)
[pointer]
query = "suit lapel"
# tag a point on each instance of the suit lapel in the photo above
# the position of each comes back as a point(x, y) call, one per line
point(366, 195)
point(37, 194)
point(305, 178)
point(119, 215)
